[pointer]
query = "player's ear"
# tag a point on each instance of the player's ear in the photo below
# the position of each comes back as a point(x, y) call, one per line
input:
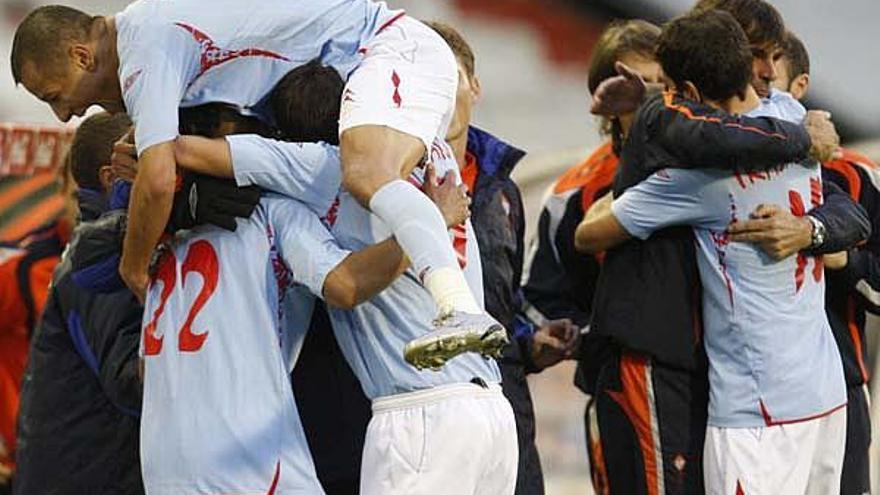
point(106, 176)
point(799, 86)
point(476, 88)
point(82, 57)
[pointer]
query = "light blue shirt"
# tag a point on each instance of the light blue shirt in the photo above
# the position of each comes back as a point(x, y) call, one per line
point(183, 53)
point(373, 335)
point(772, 356)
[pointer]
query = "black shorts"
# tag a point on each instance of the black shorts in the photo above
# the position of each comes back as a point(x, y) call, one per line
point(856, 464)
point(645, 428)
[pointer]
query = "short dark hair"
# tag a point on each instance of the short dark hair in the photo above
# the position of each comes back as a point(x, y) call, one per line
point(797, 57)
point(460, 48)
point(761, 21)
point(210, 120)
point(306, 103)
point(44, 34)
point(710, 50)
point(92, 146)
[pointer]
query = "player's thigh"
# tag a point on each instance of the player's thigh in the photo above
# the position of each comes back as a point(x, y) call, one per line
point(374, 155)
point(759, 461)
point(829, 440)
point(400, 98)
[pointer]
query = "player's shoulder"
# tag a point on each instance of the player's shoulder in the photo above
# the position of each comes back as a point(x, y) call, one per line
point(598, 169)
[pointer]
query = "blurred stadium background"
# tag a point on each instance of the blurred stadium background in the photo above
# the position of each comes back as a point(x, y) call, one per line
point(531, 58)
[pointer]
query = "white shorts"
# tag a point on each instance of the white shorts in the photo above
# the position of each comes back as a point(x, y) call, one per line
point(790, 459)
point(407, 81)
point(456, 439)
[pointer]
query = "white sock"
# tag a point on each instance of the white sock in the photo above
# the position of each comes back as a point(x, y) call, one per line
point(421, 231)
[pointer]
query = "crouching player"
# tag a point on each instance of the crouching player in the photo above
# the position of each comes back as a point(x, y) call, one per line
point(224, 318)
point(450, 430)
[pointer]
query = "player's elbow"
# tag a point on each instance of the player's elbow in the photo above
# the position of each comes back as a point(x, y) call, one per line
point(160, 185)
point(184, 154)
point(587, 240)
point(341, 290)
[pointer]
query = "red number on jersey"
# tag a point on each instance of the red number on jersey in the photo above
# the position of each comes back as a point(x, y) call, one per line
point(798, 209)
point(202, 259)
point(167, 274)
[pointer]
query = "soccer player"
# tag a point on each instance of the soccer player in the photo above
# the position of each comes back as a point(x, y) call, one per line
point(853, 285)
point(228, 343)
point(81, 396)
point(776, 422)
point(156, 56)
point(425, 424)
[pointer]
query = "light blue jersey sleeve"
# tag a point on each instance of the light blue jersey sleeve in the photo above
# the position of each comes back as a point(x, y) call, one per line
point(308, 172)
point(668, 197)
point(780, 105)
point(154, 74)
point(309, 249)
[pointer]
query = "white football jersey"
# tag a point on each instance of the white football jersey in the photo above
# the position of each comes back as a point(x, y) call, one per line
point(219, 415)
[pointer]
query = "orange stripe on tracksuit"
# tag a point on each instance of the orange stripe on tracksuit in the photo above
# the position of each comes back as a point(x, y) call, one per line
point(668, 97)
point(636, 398)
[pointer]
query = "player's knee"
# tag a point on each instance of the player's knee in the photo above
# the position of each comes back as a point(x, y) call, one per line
point(373, 156)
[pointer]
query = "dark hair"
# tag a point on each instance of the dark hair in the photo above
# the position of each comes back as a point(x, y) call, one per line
point(761, 21)
point(92, 145)
point(710, 50)
point(798, 58)
point(219, 119)
point(460, 48)
point(620, 38)
point(306, 103)
point(44, 34)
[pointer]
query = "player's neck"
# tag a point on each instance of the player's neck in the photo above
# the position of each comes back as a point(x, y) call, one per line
point(741, 104)
point(459, 148)
point(105, 34)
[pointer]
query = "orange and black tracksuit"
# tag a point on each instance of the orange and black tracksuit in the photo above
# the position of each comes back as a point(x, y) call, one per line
point(25, 272)
point(850, 293)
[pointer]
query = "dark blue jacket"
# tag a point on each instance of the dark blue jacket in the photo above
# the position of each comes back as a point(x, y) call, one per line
point(494, 199)
point(81, 396)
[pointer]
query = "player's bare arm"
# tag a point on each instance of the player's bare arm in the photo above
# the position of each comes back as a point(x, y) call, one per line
point(150, 207)
point(204, 155)
point(600, 230)
point(364, 273)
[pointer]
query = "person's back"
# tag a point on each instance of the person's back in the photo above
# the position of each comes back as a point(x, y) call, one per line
point(235, 58)
point(219, 414)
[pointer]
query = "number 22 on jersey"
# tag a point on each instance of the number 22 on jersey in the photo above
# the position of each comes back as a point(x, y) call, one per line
point(200, 258)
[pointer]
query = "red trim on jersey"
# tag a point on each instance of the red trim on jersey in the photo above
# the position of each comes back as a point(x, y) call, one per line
point(275, 479)
point(390, 22)
point(739, 488)
point(768, 420)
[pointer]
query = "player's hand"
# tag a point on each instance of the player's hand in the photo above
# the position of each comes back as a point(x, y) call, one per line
point(776, 231)
point(123, 159)
point(823, 134)
point(619, 94)
point(836, 261)
point(452, 200)
point(135, 277)
point(208, 200)
point(554, 342)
